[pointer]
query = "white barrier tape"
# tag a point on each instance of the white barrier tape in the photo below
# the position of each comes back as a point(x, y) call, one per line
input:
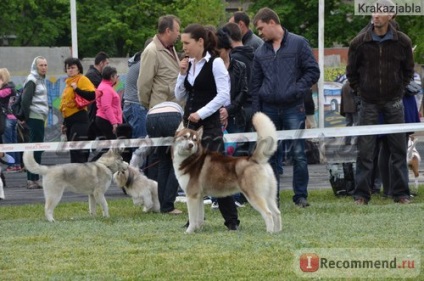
point(239, 137)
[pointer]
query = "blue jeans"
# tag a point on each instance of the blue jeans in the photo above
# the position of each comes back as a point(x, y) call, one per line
point(393, 113)
point(10, 136)
point(135, 115)
point(291, 118)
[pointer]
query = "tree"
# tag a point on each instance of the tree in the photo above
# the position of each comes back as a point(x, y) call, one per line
point(33, 22)
point(341, 25)
point(195, 12)
point(121, 27)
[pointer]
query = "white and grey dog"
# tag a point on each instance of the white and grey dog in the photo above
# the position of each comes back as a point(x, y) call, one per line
point(143, 190)
point(93, 179)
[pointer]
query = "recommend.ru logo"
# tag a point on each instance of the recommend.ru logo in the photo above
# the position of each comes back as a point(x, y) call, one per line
point(357, 263)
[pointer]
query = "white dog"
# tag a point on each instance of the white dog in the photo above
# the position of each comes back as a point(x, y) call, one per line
point(93, 179)
point(143, 190)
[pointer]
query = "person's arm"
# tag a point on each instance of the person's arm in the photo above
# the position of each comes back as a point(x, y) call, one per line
point(107, 106)
point(88, 95)
point(309, 69)
point(351, 68)
point(408, 65)
point(240, 85)
point(27, 95)
point(5, 92)
point(255, 83)
point(148, 70)
point(222, 97)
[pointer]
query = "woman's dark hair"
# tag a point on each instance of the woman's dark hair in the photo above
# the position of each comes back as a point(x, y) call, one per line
point(108, 72)
point(224, 41)
point(198, 31)
point(74, 61)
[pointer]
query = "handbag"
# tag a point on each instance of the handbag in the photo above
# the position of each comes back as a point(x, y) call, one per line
point(82, 102)
point(16, 106)
point(412, 89)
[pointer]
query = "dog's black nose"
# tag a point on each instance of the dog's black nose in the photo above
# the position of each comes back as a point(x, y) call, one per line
point(190, 145)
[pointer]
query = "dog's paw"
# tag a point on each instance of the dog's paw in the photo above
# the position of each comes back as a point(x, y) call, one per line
point(190, 229)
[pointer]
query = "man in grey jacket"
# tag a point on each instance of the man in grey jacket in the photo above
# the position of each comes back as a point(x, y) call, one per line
point(249, 38)
point(284, 70)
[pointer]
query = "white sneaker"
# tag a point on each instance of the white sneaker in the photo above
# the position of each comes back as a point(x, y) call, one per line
point(214, 205)
point(238, 204)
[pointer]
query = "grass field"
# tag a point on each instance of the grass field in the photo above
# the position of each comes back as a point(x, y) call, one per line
point(131, 245)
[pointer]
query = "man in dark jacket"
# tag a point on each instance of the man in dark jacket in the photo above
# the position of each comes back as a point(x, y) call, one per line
point(284, 70)
point(380, 65)
point(248, 37)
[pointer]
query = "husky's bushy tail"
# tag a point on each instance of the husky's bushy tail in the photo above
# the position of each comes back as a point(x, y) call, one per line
point(266, 144)
point(32, 166)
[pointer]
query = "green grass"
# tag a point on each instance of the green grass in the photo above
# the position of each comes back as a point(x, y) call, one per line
point(131, 245)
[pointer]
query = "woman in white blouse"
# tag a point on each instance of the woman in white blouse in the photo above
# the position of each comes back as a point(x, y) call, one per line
point(203, 83)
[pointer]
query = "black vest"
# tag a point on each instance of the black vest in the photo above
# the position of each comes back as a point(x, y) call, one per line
point(199, 94)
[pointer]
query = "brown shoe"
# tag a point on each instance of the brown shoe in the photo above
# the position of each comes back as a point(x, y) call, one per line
point(32, 185)
point(175, 212)
point(403, 200)
point(360, 201)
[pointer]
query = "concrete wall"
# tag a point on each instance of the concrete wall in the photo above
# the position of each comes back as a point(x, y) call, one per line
point(18, 60)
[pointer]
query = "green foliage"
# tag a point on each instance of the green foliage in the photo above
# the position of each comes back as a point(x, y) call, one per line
point(121, 27)
point(131, 245)
point(195, 12)
point(331, 73)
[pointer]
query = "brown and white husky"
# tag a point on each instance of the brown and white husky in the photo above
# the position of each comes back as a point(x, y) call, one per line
point(200, 172)
point(413, 160)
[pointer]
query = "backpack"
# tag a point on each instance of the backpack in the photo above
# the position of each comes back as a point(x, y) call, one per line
point(16, 105)
point(342, 178)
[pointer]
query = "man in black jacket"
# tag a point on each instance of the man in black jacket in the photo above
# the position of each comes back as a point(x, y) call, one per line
point(380, 65)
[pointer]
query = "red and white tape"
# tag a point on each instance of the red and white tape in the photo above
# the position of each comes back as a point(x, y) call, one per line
point(239, 137)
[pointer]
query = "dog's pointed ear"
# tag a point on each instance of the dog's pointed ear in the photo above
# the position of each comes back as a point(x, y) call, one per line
point(117, 150)
point(181, 126)
point(200, 132)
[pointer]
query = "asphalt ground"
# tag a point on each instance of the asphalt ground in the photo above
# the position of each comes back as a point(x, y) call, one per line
point(16, 192)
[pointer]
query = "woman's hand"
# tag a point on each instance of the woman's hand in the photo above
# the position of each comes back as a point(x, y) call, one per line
point(184, 66)
point(74, 85)
point(194, 117)
point(223, 114)
point(114, 126)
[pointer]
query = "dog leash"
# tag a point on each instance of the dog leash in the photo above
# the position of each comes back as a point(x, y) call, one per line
point(151, 165)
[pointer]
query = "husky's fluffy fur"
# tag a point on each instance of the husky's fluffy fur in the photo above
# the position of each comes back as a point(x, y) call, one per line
point(143, 190)
point(200, 173)
point(93, 179)
point(413, 160)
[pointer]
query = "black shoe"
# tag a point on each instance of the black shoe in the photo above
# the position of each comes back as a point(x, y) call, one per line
point(302, 202)
point(233, 227)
